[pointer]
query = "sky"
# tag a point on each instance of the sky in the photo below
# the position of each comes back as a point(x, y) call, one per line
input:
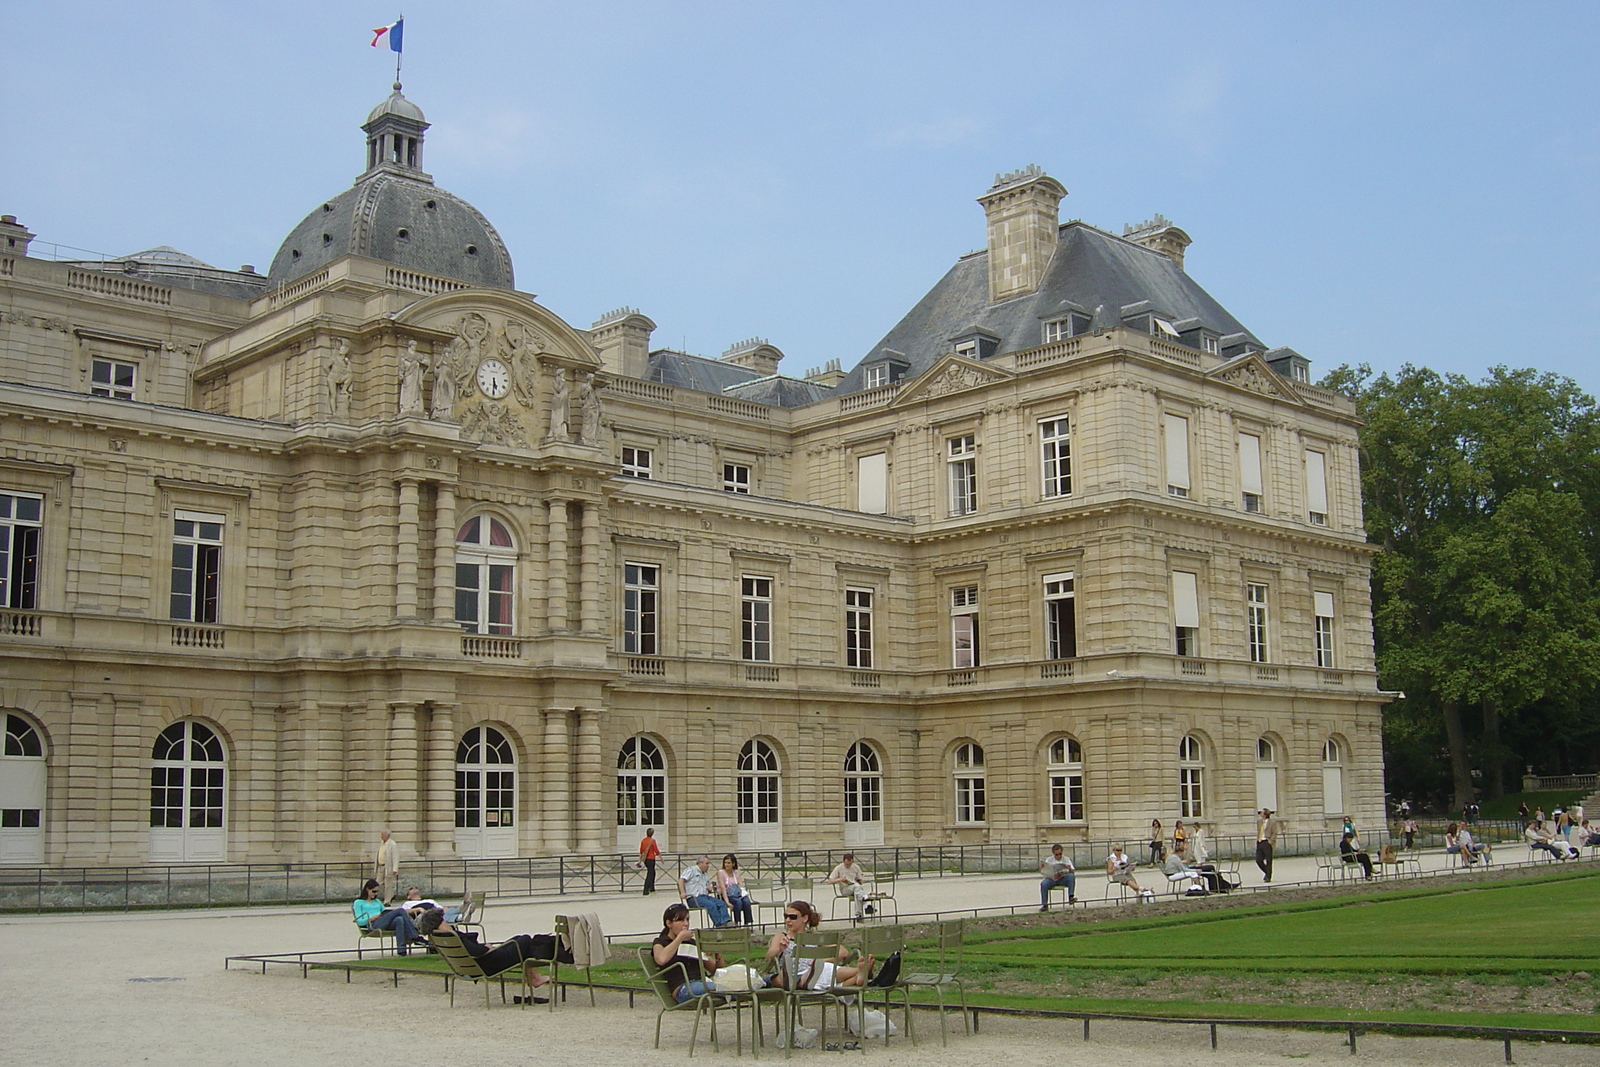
point(1378, 182)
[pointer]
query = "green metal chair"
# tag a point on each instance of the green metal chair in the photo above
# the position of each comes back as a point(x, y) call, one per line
point(735, 945)
point(558, 991)
point(948, 939)
point(706, 1004)
point(881, 942)
point(464, 964)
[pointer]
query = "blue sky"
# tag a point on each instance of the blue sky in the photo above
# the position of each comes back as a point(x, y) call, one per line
point(1379, 182)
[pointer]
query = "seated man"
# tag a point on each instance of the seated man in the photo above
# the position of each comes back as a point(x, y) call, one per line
point(1471, 850)
point(1540, 838)
point(1215, 883)
point(848, 874)
point(698, 890)
point(526, 949)
point(1058, 873)
point(1349, 853)
point(1177, 871)
point(415, 904)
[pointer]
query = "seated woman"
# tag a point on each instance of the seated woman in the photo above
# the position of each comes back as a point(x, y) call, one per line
point(683, 971)
point(371, 915)
point(730, 881)
point(1472, 850)
point(1452, 840)
point(1215, 882)
point(527, 949)
point(1350, 854)
point(1119, 868)
point(1177, 871)
point(798, 917)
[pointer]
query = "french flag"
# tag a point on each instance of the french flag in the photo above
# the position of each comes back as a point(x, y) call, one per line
point(395, 33)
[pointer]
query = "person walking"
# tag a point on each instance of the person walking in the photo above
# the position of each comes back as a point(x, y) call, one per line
point(1266, 839)
point(649, 852)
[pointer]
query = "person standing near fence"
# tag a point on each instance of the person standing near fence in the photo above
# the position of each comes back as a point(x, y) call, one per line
point(386, 865)
point(1266, 840)
point(649, 852)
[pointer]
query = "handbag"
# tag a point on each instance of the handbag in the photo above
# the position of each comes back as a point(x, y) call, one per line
point(735, 978)
point(888, 974)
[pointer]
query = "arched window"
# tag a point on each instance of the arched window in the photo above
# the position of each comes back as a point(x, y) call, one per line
point(486, 794)
point(756, 807)
point(22, 785)
point(863, 797)
point(188, 795)
point(1266, 774)
point(972, 798)
point(641, 792)
point(1191, 778)
point(486, 577)
point(1332, 777)
point(1064, 769)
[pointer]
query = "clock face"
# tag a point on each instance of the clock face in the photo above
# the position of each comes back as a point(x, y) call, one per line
point(494, 378)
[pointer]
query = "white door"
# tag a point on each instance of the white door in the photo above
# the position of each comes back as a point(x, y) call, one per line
point(1266, 788)
point(757, 807)
point(22, 782)
point(863, 797)
point(641, 794)
point(188, 795)
point(486, 795)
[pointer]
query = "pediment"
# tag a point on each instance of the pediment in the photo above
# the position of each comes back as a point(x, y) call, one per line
point(1251, 373)
point(504, 324)
point(950, 374)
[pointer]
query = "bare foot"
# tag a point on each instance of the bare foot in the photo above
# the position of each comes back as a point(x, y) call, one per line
point(538, 980)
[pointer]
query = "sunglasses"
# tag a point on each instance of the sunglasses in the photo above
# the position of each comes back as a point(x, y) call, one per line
point(790, 915)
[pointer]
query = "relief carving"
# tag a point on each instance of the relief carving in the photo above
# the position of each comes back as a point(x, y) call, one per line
point(954, 379)
point(485, 420)
point(336, 378)
point(1250, 377)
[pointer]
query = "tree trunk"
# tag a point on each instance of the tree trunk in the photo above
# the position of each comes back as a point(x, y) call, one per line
point(1494, 763)
point(1455, 732)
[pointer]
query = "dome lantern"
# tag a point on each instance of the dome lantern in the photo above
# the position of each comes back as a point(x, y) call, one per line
point(394, 134)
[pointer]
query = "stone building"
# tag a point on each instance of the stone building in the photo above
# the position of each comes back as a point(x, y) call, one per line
point(376, 539)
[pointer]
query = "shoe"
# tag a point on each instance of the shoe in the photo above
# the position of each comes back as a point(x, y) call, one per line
point(1072, 900)
point(869, 909)
point(519, 999)
point(1044, 907)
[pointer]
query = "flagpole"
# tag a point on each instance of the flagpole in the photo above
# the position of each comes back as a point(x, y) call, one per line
point(398, 56)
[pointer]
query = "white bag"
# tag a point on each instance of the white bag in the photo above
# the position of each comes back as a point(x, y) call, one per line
point(877, 1023)
point(733, 979)
point(804, 1037)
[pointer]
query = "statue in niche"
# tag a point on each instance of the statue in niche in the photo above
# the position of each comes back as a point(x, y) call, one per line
point(560, 403)
point(412, 366)
point(589, 411)
point(337, 380)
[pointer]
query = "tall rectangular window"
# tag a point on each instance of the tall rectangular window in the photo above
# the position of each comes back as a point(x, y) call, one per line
point(113, 378)
point(1060, 616)
point(1186, 613)
point(636, 462)
point(858, 628)
point(196, 565)
point(1316, 488)
point(1056, 457)
point(1176, 431)
point(1256, 621)
point(872, 483)
point(21, 518)
point(735, 478)
point(755, 612)
point(1323, 628)
point(962, 459)
point(1250, 471)
point(641, 620)
point(964, 626)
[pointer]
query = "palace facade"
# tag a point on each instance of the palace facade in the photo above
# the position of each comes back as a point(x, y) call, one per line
point(375, 539)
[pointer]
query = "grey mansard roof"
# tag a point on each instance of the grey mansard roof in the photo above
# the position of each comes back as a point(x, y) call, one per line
point(165, 265)
point(671, 367)
point(1092, 272)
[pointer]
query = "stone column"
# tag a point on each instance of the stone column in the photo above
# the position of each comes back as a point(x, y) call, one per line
point(78, 824)
point(589, 597)
point(401, 769)
point(405, 554)
point(444, 555)
point(588, 779)
point(556, 575)
point(441, 782)
point(555, 771)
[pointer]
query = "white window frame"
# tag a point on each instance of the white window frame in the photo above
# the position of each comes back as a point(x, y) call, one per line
point(486, 579)
point(197, 535)
point(965, 645)
point(641, 786)
point(1257, 618)
point(1266, 773)
point(1060, 615)
point(961, 461)
point(858, 627)
point(1316, 487)
point(872, 483)
point(1057, 330)
point(1186, 613)
point(1064, 780)
point(1175, 436)
point(969, 781)
point(967, 349)
point(1250, 471)
point(1322, 628)
point(876, 375)
point(755, 618)
point(735, 478)
point(1191, 778)
point(104, 379)
point(21, 530)
point(1055, 456)
point(641, 608)
point(637, 462)
point(863, 785)
point(1161, 327)
point(1332, 778)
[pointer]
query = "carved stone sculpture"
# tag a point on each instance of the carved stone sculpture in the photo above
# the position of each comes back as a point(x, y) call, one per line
point(337, 380)
point(560, 402)
point(589, 411)
point(412, 364)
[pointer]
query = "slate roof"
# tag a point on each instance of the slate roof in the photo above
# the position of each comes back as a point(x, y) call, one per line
point(1093, 271)
point(165, 265)
point(671, 367)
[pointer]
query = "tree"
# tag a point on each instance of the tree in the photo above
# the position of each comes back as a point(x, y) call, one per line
point(1484, 499)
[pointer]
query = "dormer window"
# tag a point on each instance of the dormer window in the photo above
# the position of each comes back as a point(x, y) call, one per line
point(1065, 327)
point(876, 375)
point(1208, 343)
point(1160, 327)
point(976, 343)
point(969, 349)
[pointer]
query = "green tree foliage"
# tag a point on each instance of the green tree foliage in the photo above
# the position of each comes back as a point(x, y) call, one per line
point(1484, 498)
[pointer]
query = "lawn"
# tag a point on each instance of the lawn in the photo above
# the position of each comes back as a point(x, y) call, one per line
point(1492, 954)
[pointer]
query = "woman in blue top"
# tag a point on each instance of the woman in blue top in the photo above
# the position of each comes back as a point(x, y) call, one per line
point(371, 915)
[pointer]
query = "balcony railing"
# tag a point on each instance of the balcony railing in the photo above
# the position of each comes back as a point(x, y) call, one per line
point(477, 646)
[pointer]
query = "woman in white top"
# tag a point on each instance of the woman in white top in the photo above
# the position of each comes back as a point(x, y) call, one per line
point(730, 886)
point(1119, 868)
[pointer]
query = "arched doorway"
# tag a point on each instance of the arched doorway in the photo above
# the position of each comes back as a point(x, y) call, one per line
point(641, 793)
point(863, 797)
point(188, 795)
point(757, 807)
point(486, 795)
point(22, 785)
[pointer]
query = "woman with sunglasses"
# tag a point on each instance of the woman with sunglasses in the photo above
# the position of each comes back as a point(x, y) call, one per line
point(798, 917)
point(682, 969)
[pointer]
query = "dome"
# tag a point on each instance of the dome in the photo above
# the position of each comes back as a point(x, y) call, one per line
point(396, 214)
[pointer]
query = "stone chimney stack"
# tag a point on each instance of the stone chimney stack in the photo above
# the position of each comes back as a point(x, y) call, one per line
point(14, 236)
point(829, 374)
point(622, 338)
point(1159, 235)
point(1021, 209)
point(756, 354)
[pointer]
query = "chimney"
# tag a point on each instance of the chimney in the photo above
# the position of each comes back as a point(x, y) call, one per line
point(1159, 235)
point(829, 374)
point(14, 236)
point(1021, 210)
point(622, 340)
point(756, 354)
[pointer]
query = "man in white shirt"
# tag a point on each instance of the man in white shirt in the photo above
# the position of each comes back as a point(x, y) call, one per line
point(1058, 872)
point(848, 874)
point(698, 889)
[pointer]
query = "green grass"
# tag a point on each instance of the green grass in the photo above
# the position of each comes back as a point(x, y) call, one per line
point(1506, 807)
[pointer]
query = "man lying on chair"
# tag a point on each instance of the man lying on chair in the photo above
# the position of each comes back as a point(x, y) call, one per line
point(527, 949)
